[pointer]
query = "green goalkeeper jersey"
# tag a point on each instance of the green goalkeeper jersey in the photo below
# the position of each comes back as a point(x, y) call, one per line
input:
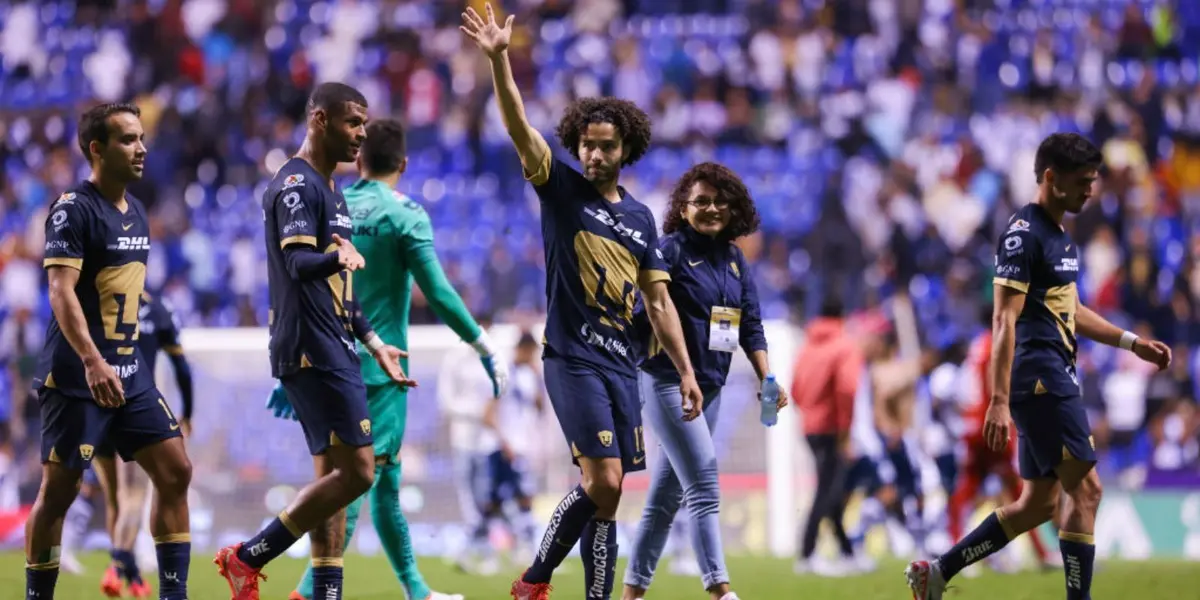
point(395, 238)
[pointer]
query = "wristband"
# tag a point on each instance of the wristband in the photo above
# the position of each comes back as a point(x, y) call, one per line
point(483, 344)
point(1127, 340)
point(373, 342)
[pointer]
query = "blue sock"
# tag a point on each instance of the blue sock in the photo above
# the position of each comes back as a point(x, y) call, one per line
point(118, 561)
point(327, 579)
point(128, 566)
point(598, 549)
point(1079, 555)
point(566, 525)
point(40, 580)
point(174, 553)
point(279, 535)
point(983, 541)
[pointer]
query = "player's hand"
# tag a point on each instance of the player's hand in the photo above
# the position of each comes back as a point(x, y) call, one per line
point(497, 371)
point(280, 406)
point(488, 35)
point(348, 255)
point(102, 379)
point(388, 358)
point(693, 398)
point(1153, 351)
point(997, 426)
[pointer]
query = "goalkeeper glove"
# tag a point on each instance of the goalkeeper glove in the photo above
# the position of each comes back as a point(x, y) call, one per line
point(280, 406)
point(496, 368)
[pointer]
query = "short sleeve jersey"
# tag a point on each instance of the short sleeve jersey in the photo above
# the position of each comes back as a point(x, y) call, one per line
point(159, 330)
point(310, 321)
point(597, 252)
point(85, 231)
point(1036, 256)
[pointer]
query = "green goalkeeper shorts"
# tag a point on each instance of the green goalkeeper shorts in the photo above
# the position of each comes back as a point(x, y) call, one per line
point(388, 405)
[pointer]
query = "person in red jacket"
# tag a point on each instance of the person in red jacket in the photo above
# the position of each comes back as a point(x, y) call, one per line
point(824, 383)
point(981, 461)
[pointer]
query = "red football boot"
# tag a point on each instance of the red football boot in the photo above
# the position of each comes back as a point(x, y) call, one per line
point(242, 578)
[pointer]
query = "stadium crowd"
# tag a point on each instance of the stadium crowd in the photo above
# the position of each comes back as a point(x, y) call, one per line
point(885, 141)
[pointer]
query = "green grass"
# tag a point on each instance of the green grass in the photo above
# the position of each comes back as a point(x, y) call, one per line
point(755, 579)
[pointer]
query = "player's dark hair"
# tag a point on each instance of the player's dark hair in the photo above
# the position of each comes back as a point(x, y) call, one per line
point(743, 219)
point(384, 149)
point(93, 123)
point(631, 124)
point(1066, 152)
point(332, 97)
point(832, 307)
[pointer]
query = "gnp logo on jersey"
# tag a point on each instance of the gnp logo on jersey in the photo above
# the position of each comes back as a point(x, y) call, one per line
point(138, 242)
point(293, 180)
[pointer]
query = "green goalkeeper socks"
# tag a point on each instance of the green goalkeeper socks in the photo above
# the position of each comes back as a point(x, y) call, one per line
point(393, 531)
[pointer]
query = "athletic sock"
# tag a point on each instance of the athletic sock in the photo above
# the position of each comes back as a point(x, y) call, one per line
point(1079, 556)
point(393, 530)
point(981, 542)
point(272, 541)
point(598, 549)
point(174, 552)
point(566, 525)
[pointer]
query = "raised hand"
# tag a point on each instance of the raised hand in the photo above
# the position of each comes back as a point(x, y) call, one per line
point(488, 35)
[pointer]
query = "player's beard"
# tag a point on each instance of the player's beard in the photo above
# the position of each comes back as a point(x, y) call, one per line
point(602, 175)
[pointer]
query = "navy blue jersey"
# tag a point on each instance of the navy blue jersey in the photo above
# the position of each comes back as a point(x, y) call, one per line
point(159, 330)
point(85, 231)
point(705, 273)
point(310, 320)
point(597, 253)
point(1036, 256)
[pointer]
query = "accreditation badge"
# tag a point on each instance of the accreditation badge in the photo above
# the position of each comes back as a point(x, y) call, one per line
point(723, 329)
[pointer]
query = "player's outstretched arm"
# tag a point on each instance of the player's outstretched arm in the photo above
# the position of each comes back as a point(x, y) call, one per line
point(449, 306)
point(1091, 325)
point(664, 319)
point(101, 377)
point(493, 40)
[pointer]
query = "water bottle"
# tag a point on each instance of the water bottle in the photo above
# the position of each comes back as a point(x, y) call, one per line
point(770, 402)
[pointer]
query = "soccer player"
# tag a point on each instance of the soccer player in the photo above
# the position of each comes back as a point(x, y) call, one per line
point(981, 461)
point(314, 320)
point(394, 235)
point(601, 247)
point(1035, 323)
point(126, 487)
point(504, 475)
point(93, 382)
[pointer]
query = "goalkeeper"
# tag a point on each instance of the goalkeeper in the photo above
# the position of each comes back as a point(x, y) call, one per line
point(394, 235)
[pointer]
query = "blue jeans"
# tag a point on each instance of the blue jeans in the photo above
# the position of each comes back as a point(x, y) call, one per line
point(686, 470)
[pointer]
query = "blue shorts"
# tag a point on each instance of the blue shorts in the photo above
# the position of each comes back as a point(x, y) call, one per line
point(331, 407)
point(864, 475)
point(73, 429)
point(495, 479)
point(1050, 429)
point(600, 411)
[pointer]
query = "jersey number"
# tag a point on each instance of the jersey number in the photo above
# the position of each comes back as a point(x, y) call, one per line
point(120, 289)
point(609, 275)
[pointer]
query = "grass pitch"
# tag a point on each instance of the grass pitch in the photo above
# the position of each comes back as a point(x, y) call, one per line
point(754, 579)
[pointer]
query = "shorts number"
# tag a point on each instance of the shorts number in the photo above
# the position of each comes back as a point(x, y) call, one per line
point(608, 273)
point(120, 290)
point(639, 442)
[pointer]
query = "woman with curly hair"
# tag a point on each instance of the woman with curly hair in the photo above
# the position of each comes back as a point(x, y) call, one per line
point(601, 249)
point(717, 301)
